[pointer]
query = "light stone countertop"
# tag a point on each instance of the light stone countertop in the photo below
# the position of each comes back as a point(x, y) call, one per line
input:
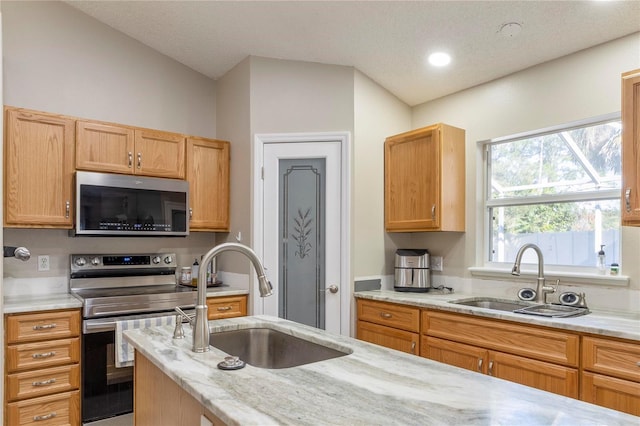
point(47, 302)
point(613, 324)
point(371, 386)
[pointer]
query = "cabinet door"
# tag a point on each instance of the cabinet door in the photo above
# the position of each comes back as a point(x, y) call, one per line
point(104, 147)
point(412, 180)
point(618, 394)
point(631, 148)
point(536, 374)
point(457, 354)
point(388, 337)
point(208, 175)
point(159, 154)
point(38, 153)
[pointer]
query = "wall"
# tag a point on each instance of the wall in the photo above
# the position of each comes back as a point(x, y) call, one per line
point(57, 59)
point(579, 86)
point(377, 114)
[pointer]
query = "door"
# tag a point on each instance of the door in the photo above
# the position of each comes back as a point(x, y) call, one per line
point(304, 232)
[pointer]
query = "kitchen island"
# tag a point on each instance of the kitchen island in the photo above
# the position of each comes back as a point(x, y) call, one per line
point(370, 386)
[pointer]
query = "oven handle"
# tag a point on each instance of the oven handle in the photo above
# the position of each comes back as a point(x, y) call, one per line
point(100, 325)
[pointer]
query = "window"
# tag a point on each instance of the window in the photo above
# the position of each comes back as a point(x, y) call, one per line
point(557, 188)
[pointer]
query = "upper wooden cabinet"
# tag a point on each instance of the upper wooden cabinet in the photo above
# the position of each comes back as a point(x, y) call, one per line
point(38, 174)
point(631, 148)
point(424, 185)
point(208, 176)
point(105, 147)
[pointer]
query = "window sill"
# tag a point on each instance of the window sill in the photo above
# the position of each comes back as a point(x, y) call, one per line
point(564, 277)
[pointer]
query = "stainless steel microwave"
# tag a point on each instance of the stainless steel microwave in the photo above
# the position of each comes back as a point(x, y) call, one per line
point(124, 205)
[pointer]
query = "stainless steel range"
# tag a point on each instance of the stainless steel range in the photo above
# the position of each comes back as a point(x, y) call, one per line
point(112, 288)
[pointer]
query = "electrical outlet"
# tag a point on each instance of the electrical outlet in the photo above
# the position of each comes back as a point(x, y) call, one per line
point(43, 263)
point(436, 263)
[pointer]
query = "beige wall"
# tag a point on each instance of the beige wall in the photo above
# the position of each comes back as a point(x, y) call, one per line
point(579, 86)
point(378, 114)
point(59, 60)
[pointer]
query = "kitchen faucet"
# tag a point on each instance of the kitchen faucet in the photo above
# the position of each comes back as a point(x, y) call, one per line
point(541, 289)
point(201, 324)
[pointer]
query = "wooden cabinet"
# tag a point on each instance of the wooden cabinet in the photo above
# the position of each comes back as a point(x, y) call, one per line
point(631, 148)
point(103, 147)
point(38, 169)
point(424, 180)
point(42, 365)
point(208, 175)
point(226, 307)
point(536, 357)
point(611, 373)
point(390, 325)
point(172, 406)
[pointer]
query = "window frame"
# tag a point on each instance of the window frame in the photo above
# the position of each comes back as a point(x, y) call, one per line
point(489, 268)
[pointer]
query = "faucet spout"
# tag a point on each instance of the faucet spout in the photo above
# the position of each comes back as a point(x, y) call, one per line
point(541, 288)
point(201, 325)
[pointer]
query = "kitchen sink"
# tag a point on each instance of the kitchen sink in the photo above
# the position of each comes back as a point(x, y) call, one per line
point(522, 307)
point(268, 348)
point(492, 303)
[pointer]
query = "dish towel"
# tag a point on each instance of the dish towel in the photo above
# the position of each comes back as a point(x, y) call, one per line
point(124, 350)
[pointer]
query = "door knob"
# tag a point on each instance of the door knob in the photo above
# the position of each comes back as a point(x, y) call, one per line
point(331, 288)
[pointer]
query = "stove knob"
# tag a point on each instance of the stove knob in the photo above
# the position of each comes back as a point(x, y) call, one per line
point(156, 260)
point(81, 261)
point(168, 260)
point(95, 261)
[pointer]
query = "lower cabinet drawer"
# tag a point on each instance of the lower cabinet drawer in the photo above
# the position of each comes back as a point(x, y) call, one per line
point(389, 314)
point(611, 357)
point(226, 307)
point(31, 384)
point(31, 356)
point(58, 409)
point(610, 392)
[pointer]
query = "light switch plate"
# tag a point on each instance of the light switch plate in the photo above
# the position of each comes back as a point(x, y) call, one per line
point(436, 263)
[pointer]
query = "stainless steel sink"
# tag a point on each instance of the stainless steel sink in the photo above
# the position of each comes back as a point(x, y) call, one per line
point(522, 307)
point(268, 348)
point(492, 303)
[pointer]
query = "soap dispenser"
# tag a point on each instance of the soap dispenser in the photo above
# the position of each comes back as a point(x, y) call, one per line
point(602, 266)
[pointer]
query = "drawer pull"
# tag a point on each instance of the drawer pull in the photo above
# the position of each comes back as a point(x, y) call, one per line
point(385, 315)
point(413, 347)
point(44, 383)
point(44, 355)
point(224, 308)
point(45, 417)
point(638, 363)
point(44, 327)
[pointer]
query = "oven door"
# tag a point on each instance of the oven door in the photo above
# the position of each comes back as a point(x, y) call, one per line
point(107, 391)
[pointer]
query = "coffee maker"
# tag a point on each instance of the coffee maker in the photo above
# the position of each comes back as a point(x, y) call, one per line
point(412, 272)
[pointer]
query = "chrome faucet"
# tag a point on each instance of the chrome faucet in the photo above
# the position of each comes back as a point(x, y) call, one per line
point(541, 289)
point(201, 324)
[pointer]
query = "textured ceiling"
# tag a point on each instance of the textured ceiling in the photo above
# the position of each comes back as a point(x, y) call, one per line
point(386, 40)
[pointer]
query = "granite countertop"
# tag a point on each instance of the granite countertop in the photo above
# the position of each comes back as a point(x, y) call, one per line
point(371, 386)
point(47, 302)
point(613, 324)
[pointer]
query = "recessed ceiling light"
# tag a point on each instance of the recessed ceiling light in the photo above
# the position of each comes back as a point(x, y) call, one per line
point(439, 59)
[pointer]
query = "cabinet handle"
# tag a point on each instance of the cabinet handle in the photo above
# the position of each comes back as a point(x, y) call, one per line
point(67, 209)
point(413, 347)
point(130, 159)
point(44, 355)
point(45, 417)
point(638, 363)
point(433, 212)
point(491, 368)
point(44, 383)
point(385, 315)
point(224, 308)
point(190, 213)
point(44, 327)
point(627, 199)
point(480, 360)
point(139, 160)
